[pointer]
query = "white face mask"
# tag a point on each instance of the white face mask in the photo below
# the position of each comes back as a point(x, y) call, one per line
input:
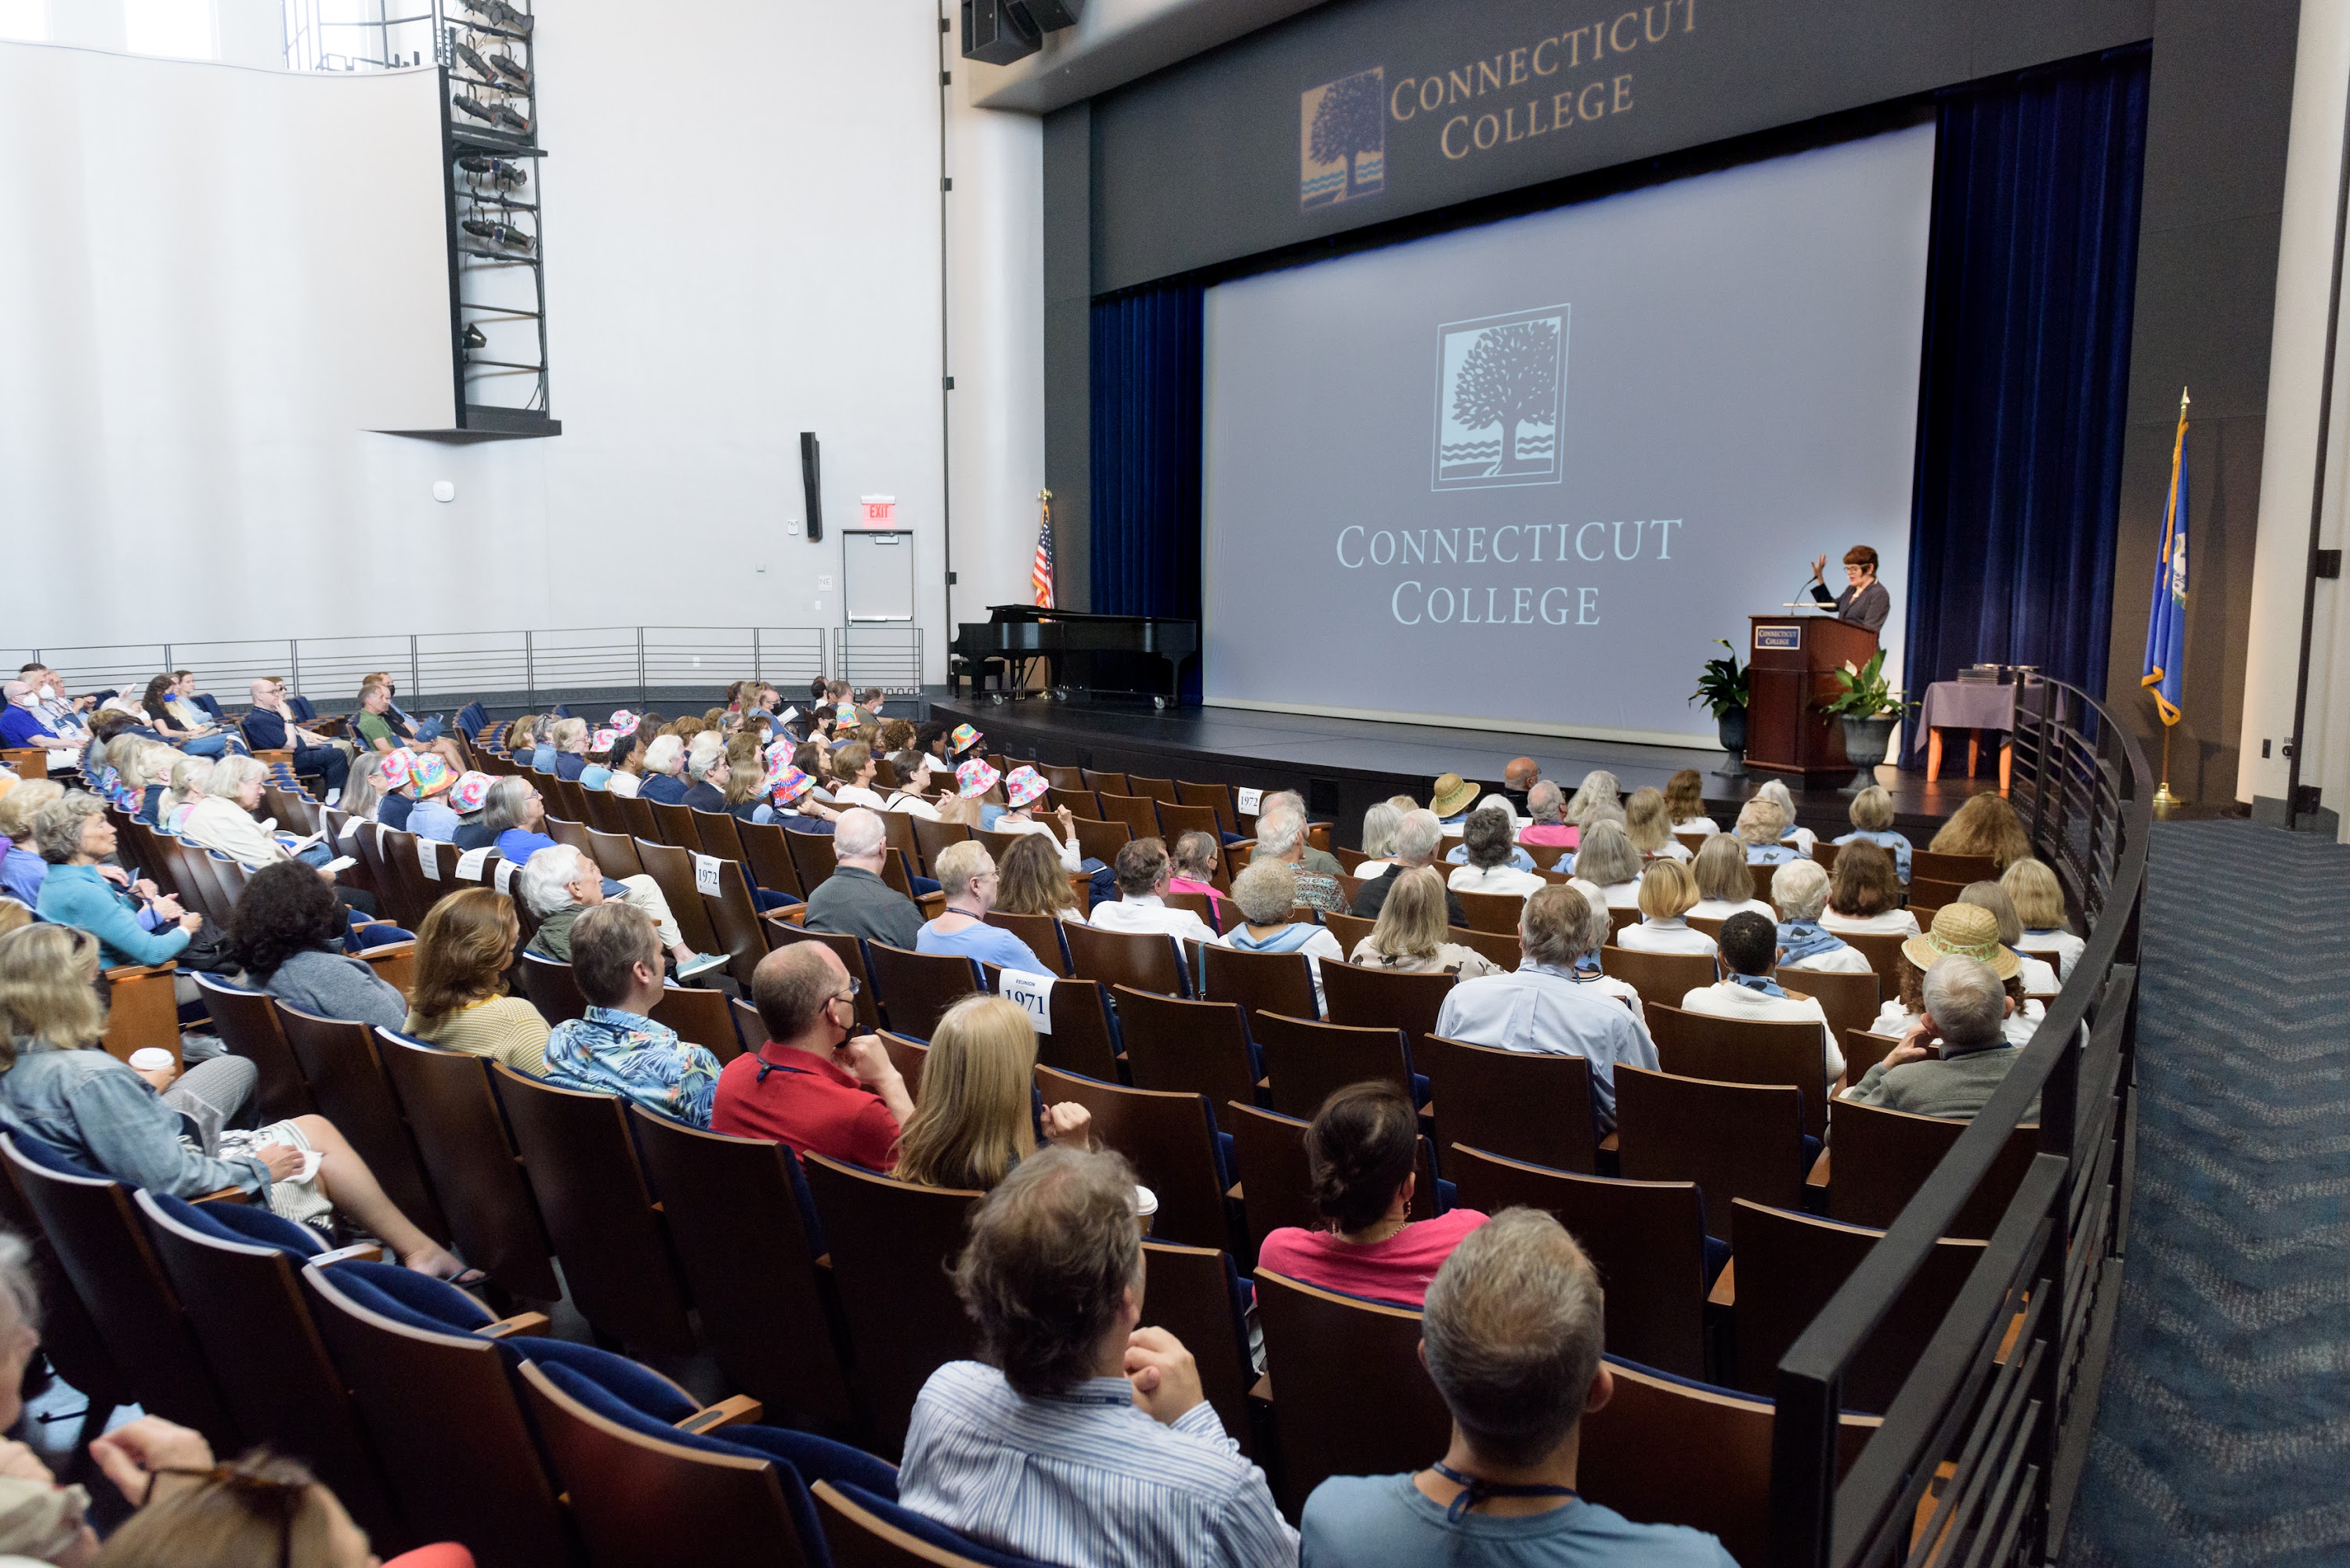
point(49, 694)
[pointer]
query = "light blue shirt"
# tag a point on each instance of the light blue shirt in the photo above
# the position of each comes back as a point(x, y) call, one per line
point(1518, 857)
point(1385, 1521)
point(988, 944)
point(594, 775)
point(1889, 840)
point(433, 819)
point(1546, 1011)
point(1085, 1479)
point(1772, 853)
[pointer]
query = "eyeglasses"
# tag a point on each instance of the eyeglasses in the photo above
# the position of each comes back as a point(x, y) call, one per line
point(855, 986)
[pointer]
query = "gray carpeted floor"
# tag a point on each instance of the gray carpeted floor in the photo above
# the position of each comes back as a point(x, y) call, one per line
point(2224, 1434)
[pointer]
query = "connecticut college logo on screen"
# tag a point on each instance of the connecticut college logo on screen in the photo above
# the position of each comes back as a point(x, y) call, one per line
point(1342, 138)
point(1498, 382)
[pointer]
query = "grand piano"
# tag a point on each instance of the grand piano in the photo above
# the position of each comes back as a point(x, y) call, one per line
point(1139, 655)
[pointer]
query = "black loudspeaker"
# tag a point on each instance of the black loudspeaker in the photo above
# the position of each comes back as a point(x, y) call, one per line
point(1049, 16)
point(997, 32)
point(811, 484)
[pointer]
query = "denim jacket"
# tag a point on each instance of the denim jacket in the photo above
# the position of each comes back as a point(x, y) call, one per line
point(97, 1110)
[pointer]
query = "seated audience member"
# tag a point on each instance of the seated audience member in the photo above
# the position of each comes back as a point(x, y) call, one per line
point(914, 777)
point(1144, 877)
point(521, 737)
point(977, 1119)
point(1512, 1336)
point(967, 877)
point(1022, 788)
point(402, 725)
point(22, 869)
point(49, 687)
point(1410, 935)
point(853, 768)
point(171, 711)
point(1361, 1147)
point(2039, 976)
point(184, 786)
point(1417, 838)
point(1079, 1437)
point(854, 901)
point(1609, 861)
point(1956, 1055)
point(1597, 793)
point(1649, 827)
point(792, 804)
point(223, 818)
point(460, 1001)
point(1985, 825)
point(1725, 885)
point(387, 774)
point(1667, 893)
point(1865, 892)
point(1030, 881)
point(1194, 870)
point(1289, 800)
point(513, 816)
point(705, 754)
point(1266, 890)
point(560, 884)
point(41, 1520)
point(1453, 798)
point(1685, 804)
point(569, 739)
point(664, 761)
point(615, 1048)
point(374, 723)
point(1520, 860)
point(897, 736)
point(1872, 823)
point(962, 741)
point(627, 774)
point(2039, 903)
point(816, 1085)
point(1488, 849)
point(133, 924)
point(1280, 835)
point(1519, 775)
point(287, 931)
point(429, 781)
point(25, 724)
point(269, 725)
point(1969, 932)
point(1378, 835)
point(1761, 829)
point(1800, 888)
point(1749, 950)
point(1546, 1008)
point(1549, 830)
point(598, 772)
point(1599, 930)
point(59, 1082)
point(1775, 791)
point(744, 795)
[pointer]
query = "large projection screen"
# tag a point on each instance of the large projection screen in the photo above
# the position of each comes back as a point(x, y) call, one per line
point(1524, 473)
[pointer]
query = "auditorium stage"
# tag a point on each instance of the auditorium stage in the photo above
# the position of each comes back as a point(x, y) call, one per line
point(1344, 765)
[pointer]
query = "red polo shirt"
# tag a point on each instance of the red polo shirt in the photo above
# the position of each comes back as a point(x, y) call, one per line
point(804, 1101)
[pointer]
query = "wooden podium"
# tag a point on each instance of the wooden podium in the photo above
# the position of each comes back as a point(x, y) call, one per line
point(1795, 656)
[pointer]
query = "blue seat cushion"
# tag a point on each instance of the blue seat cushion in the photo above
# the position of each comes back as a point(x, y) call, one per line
point(403, 1295)
point(243, 1224)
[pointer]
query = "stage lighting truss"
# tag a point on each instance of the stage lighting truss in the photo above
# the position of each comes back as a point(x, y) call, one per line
point(496, 256)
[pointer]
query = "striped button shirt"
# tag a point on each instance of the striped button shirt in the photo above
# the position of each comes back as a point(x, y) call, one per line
point(1086, 1480)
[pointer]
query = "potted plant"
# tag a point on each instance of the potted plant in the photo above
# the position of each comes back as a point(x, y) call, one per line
point(1722, 686)
point(1870, 708)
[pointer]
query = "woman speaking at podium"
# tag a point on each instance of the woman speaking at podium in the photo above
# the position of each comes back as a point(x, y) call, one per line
point(1865, 603)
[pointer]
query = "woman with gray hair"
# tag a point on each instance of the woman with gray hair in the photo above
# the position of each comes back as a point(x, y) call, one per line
point(664, 761)
point(569, 738)
point(1378, 832)
point(1800, 888)
point(1598, 933)
point(1761, 827)
point(1487, 847)
point(223, 819)
point(560, 884)
point(1266, 891)
point(1598, 789)
point(1608, 860)
point(1280, 835)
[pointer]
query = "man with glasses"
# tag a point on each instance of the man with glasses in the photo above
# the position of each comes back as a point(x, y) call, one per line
point(814, 1084)
point(273, 725)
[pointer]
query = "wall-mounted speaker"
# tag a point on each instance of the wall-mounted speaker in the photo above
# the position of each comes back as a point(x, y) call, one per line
point(1049, 16)
point(811, 484)
point(997, 32)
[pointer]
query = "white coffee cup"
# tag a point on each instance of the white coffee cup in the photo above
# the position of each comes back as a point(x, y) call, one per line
point(151, 1059)
point(1146, 1207)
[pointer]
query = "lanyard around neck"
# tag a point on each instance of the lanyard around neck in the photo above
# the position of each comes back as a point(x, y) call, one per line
point(1475, 1489)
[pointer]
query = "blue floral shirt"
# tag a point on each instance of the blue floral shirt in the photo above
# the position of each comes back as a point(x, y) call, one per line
point(610, 1051)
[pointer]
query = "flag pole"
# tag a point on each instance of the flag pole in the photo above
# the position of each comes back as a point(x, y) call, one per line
point(2164, 800)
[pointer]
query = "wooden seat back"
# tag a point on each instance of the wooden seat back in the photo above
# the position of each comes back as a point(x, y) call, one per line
point(1041, 933)
point(1176, 819)
point(812, 856)
point(1647, 1239)
point(672, 868)
point(916, 989)
point(1350, 929)
point(700, 1018)
point(770, 857)
point(1139, 813)
point(1358, 996)
point(1307, 1061)
point(70, 1338)
point(716, 829)
point(460, 1134)
point(933, 837)
point(1185, 1047)
point(339, 1061)
point(1960, 869)
point(1092, 779)
point(1883, 950)
point(1499, 946)
point(1661, 979)
point(1350, 1395)
point(892, 1245)
point(574, 832)
point(1849, 1000)
point(1141, 960)
point(674, 825)
point(1170, 1138)
point(736, 927)
point(246, 1022)
point(1100, 839)
point(552, 987)
point(751, 1265)
point(1882, 1157)
point(1188, 1291)
point(860, 1537)
point(638, 812)
point(1496, 913)
point(1734, 1140)
point(1260, 983)
point(1083, 1038)
point(850, 951)
point(1516, 1104)
point(1745, 1050)
point(613, 1243)
point(1276, 1180)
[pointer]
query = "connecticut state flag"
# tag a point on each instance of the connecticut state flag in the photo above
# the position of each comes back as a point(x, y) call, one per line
point(2166, 621)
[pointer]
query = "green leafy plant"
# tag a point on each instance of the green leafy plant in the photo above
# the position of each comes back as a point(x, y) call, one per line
point(1722, 682)
point(1866, 694)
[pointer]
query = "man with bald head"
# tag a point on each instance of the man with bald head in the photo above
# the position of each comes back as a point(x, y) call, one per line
point(854, 901)
point(271, 725)
point(813, 1085)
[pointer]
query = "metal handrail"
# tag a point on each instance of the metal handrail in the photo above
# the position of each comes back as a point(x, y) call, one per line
point(2015, 1425)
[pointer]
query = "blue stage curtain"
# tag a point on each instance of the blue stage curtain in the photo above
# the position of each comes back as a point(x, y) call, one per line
point(2025, 382)
point(1146, 451)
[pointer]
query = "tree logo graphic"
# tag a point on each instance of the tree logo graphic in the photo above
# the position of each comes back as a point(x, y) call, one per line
point(1342, 138)
point(1498, 382)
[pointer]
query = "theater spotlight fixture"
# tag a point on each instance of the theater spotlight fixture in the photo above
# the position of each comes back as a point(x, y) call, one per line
point(474, 107)
point(500, 15)
point(507, 69)
point(474, 338)
point(475, 64)
point(507, 117)
point(503, 173)
point(496, 233)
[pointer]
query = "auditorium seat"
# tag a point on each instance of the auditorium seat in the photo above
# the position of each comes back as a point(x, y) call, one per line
point(851, 954)
point(1734, 1140)
point(142, 1011)
point(1217, 797)
point(1931, 893)
point(71, 1339)
point(610, 1239)
point(700, 1018)
point(916, 989)
point(892, 1243)
point(1178, 1046)
point(906, 1054)
point(675, 824)
point(1260, 983)
point(1139, 813)
point(1959, 869)
point(1745, 1050)
point(1101, 840)
point(1787, 1267)
point(1195, 1294)
point(1061, 777)
point(1661, 979)
point(1276, 1183)
point(1171, 1140)
point(574, 832)
point(672, 868)
point(551, 987)
point(1307, 1061)
point(1500, 947)
point(1219, 915)
point(604, 812)
point(1041, 933)
point(1883, 951)
point(1093, 780)
point(1849, 1000)
point(811, 857)
point(247, 1023)
point(638, 812)
point(1350, 1395)
point(734, 919)
point(1176, 819)
point(1145, 961)
point(1350, 929)
point(863, 1530)
point(394, 963)
point(1863, 1049)
point(338, 1059)
point(716, 831)
point(1513, 1102)
point(1496, 913)
point(1075, 801)
point(1083, 1038)
point(460, 1134)
point(614, 852)
point(1882, 1157)
point(1154, 789)
point(933, 837)
point(734, 1207)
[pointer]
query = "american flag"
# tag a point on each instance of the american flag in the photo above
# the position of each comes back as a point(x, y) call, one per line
point(1040, 574)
